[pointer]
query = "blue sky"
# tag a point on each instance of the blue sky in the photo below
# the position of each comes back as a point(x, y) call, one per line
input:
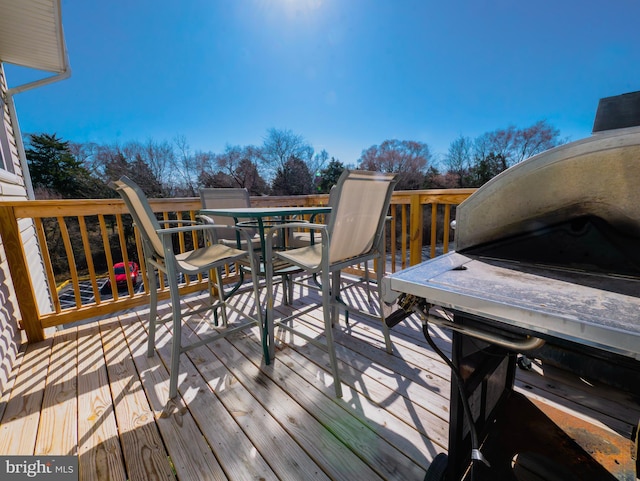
point(344, 74)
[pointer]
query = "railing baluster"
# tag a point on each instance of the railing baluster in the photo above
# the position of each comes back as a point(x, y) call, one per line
point(123, 250)
point(46, 259)
point(415, 226)
point(394, 213)
point(71, 260)
point(434, 229)
point(447, 222)
point(89, 258)
point(405, 234)
point(407, 211)
point(107, 249)
point(141, 263)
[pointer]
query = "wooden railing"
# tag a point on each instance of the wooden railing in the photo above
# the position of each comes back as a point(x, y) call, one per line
point(95, 234)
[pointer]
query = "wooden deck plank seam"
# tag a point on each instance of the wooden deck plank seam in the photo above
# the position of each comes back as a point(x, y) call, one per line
point(225, 351)
point(388, 396)
point(323, 365)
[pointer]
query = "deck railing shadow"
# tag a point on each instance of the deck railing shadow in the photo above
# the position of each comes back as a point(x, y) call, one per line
point(376, 381)
point(233, 410)
point(234, 367)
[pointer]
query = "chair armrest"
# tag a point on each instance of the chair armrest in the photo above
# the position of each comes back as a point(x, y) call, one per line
point(205, 219)
point(303, 224)
point(298, 218)
point(186, 221)
point(209, 220)
point(208, 229)
point(289, 225)
point(197, 227)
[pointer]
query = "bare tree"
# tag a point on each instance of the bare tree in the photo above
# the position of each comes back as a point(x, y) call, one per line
point(185, 166)
point(512, 145)
point(84, 152)
point(504, 143)
point(458, 160)
point(535, 139)
point(112, 161)
point(109, 161)
point(233, 157)
point(280, 146)
point(238, 168)
point(159, 156)
point(318, 162)
point(408, 158)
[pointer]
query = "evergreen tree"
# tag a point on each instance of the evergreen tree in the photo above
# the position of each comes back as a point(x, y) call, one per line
point(54, 169)
point(329, 176)
point(293, 178)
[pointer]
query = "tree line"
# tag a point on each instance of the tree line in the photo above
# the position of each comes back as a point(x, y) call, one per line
point(285, 164)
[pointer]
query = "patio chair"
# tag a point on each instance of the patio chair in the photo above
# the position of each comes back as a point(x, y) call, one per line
point(159, 255)
point(305, 237)
point(222, 198)
point(353, 235)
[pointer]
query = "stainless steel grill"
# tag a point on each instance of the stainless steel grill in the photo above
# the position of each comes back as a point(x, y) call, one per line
point(549, 250)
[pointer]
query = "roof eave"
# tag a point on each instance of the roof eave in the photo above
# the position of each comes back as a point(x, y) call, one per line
point(31, 35)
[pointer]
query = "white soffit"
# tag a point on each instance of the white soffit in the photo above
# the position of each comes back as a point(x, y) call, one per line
point(31, 34)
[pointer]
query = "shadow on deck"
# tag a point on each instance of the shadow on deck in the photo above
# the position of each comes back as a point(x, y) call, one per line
point(91, 391)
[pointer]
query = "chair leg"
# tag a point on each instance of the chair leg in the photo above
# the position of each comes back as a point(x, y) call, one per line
point(255, 266)
point(214, 274)
point(221, 297)
point(366, 279)
point(176, 344)
point(153, 309)
point(269, 338)
point(385, 329)
point(327, 308)
point(290, 278)
point(335, 298)
point(285, 291)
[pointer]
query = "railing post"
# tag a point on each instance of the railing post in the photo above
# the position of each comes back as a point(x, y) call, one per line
point(415, 230)
point(27, 302)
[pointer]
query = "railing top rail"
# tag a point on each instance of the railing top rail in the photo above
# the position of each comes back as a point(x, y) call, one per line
point(187, 203)
point(432, 196)
point(11, 212)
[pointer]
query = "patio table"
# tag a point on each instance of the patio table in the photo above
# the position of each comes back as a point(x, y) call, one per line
point(265, 216)
point(261, 217)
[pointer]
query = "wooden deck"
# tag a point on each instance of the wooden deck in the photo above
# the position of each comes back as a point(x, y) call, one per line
point(91, 391)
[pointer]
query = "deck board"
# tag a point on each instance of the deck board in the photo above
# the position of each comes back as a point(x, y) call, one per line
point(100, 454)
point(19, 427)
point(57, 431)
point(190, 454)
point(144, 454)
point(92, 390)
point(297, 406)
point(309, 403)
point(243, 434)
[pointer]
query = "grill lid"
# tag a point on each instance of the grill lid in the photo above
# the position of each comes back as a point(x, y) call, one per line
point(576, 205)
point(550, 246)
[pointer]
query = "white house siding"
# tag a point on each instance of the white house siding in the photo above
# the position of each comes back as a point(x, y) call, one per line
point(10, 336)
point(12, 188)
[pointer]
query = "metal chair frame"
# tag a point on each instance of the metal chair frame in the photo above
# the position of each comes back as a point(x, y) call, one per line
point(354, 234)
point(157, 244)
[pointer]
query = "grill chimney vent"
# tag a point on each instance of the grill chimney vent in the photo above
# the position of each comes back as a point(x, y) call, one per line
point(618, 112)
